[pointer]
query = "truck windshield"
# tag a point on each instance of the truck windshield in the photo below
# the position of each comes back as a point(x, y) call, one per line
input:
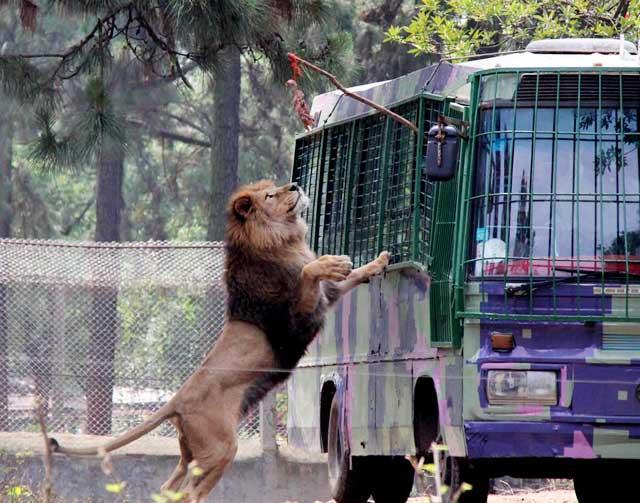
point(556, 190)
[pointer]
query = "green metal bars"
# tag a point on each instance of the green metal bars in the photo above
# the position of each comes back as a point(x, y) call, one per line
point(445, 329)
point(366, 186)
point(552, 193)
point(307, 172)
point(371, 145)
point(369, 194)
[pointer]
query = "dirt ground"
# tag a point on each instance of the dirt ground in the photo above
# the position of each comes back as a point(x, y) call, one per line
point(150, 445)
point(563, 496)
point(559, 496)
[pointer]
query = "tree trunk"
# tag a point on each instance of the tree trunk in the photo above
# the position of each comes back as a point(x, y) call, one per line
point(155, 226)
point(224, 141)
point(104, 309)
point(6, 159)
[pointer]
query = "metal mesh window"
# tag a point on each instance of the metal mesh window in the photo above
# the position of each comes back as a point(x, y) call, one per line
point(556, 197)
point(432, 110)
point(366, 185)
point(307, 172)
point(445, 330)
point(333, 196)
point(397, 230)
point(370, 146)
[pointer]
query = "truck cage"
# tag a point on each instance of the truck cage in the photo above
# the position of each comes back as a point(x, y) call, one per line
point(365, 180)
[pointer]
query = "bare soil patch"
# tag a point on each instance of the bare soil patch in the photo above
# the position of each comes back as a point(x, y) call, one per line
point(559, 496)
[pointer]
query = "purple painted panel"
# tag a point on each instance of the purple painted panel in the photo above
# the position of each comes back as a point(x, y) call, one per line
point(606, 390)
point(546, 440)
point(543, 342)
point(528, 439)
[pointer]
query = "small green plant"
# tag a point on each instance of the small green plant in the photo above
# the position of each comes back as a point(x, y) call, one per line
point(168, 497)
point(19, 494)
point(435, 471)
point(115, 487)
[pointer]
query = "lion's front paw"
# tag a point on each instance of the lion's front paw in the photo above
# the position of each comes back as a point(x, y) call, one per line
point(377, 266)
point(384, 258)
point(331, 267)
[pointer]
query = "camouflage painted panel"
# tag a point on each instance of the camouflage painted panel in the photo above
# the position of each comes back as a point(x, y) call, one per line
point(598, 369)
point(376, 346)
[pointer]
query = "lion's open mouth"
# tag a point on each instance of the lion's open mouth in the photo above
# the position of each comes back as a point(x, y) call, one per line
point(297, 206)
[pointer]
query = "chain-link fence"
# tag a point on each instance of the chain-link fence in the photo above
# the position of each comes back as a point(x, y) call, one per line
point(104, 334)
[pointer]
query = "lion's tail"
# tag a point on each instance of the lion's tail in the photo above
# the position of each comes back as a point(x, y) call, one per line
point(164, 413)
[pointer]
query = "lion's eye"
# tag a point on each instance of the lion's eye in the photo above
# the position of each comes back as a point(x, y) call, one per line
point(267, 196)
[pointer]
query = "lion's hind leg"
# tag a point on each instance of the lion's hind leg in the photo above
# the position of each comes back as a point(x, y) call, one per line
point(212, 456)
point(178, 476)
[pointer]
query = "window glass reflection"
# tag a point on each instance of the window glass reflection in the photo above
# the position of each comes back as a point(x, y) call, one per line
point(566, 196)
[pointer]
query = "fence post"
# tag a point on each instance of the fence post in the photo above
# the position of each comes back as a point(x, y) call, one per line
point(269, 445)
point(268, 423)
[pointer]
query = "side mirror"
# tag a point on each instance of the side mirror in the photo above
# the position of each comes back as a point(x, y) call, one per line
point(441, 159)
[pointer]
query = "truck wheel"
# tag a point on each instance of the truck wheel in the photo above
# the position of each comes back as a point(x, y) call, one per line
point(394, 480)
point(348, 484)
point(588, 489)
point(479, 491)
point(595, 486)
point(456, 471)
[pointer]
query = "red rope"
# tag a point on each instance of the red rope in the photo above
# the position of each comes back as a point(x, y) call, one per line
point(295, 66)
point(299, 104)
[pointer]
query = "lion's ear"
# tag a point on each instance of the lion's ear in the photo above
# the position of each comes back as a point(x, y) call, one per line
point(242, 206)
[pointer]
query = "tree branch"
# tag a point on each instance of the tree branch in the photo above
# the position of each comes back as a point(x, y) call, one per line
point(67, 229)
point(170, 135)
point(107, 30)
point(161, 80)
point(181, 120)
point(622, 9)
point(357, 97)
point(74, 49)
point(382, 15)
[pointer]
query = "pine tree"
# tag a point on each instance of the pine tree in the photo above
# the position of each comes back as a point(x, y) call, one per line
point(6, 218)
point(74, 90)
point(6, 168)
point(225, 133)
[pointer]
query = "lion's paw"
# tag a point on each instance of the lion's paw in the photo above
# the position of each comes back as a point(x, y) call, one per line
point(377, 266)
point(333, 267)
point(384, 258)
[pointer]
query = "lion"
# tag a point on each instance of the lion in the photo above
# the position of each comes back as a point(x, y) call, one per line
point(278, 295)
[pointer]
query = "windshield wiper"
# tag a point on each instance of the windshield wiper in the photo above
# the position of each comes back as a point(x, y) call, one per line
point(524, 289)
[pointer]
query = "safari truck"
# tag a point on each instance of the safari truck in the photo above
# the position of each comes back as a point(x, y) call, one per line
point(507, 327)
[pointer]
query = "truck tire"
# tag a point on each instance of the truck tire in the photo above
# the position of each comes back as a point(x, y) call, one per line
point(479, 492)
point(595, 485)
point(455, 472)
point(587, 488)
point(348, 484)
point(393, 481)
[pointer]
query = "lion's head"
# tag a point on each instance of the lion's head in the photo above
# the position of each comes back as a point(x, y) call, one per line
point(262, 216)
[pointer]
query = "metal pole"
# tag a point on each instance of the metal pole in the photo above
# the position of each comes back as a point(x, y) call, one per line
point(268, 423)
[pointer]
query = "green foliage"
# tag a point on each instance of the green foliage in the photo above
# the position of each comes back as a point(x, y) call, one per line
point(19, 494)
point(166, 178)
point(98, 125)
point(107, 48)
point(168, 496)
point(23, 82)
point(459, 28)
point(115, 487)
